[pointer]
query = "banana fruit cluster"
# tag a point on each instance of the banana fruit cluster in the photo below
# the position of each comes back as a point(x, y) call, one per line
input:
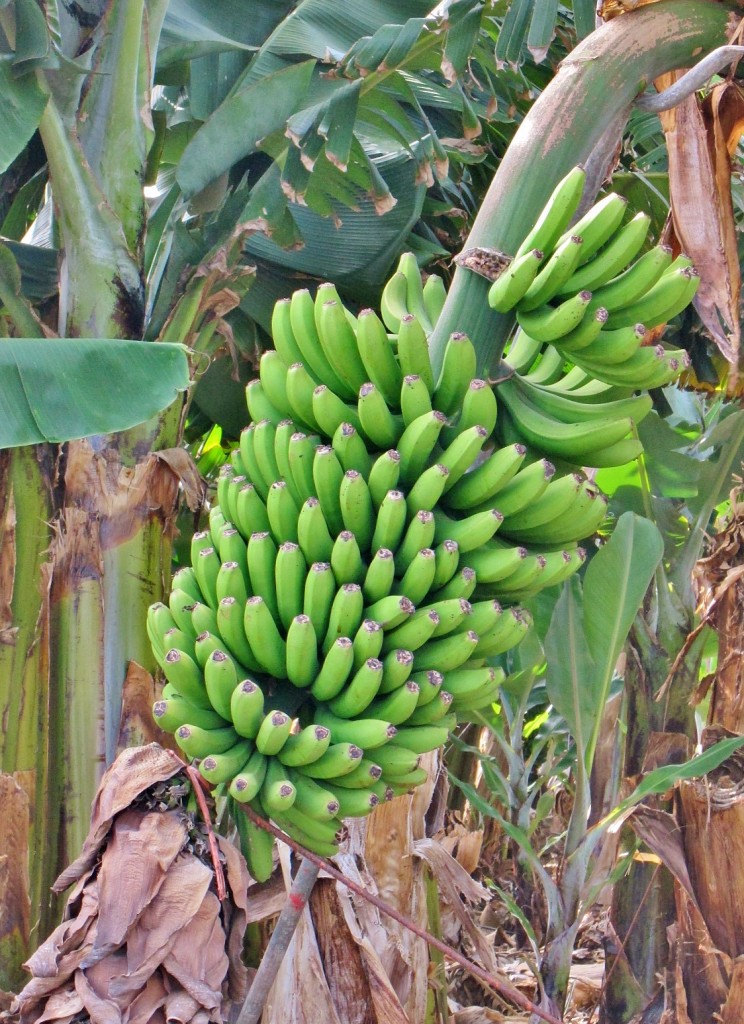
point(585, 301)
point(378, 526)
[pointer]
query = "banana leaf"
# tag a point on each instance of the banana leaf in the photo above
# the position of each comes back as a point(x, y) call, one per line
point(65, 388)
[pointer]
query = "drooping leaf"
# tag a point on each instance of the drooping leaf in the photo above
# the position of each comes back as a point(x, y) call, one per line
point(64, 388)
point(240, 123)
point(542, 29)
point(514, 31)
point(20, 112)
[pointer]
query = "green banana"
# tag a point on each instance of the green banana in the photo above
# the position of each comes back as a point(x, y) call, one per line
point(367, 642)
point(256, 844)
point(612, 347)
point(618, 252)
point(346, 559)
point(302, 318)
point(460, 455)
point(282, 334)
point(510, 286)
point(509, 632)
point(459, 365)
point(452, 612)
point(478, 408)
point(260, 556)
point(378, 423)
point(469, 533)
point(283, 512)
point(247, 708)
point(447, 558)
point(379, 360)
point(277, 792)
point(556, 214)
point(390, 611)
point(422, 738)
point(340, 345)
point(250, 511)
point(549, 324)
point(413, 633)
point(220, 679)
point(415, 399)
point(384, 475)
point(419, 534)
point(413, 351)
point(175, 711)
point(206, 566)
point(300, 389)
point(273, 732)
point(346, 614)
point(668, 297)
point(327, 476)
point(408, 266)
point(351, 450)
point(330, 411)
point(396, 760)
point(419, 576)
point(185, 580)
point(556, 499)
point(259, 405)
point(230, 628)
point(221, 767)
point(320, 590)
point(522, 352)
point(429, 714)
point(562, 406)
point(335, 669)
point(302, 651)
point(273, 373)
point(196, 742)
point(367, 733)
point(266, 642)
point(396, 706)
point(185, 676)
point(397, 666)
point(357, 508)
point(446, 654)
point(393, 301)
point(300, 459)
point(378, 580)
point(340, 759)
point(313, 535)
point(435, 296)
point(360, 691)
point(461, 585)
point(494, 562)
point(290, 571)
point(305, 747)
point(246, 785)
point(230, 582)
point(481, 485)
point(416, 444)
point(390, 523)
point(634, 282)
point(264, 434)
point(314, 800)
point(557, 270)
point(364, 776)
point(598, 225)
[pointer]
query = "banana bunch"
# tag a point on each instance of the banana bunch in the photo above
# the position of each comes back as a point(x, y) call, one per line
point(363, 563)
point(585, 301)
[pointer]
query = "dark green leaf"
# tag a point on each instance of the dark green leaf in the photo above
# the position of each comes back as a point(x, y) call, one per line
point(64, 388)
point(584, 16)
point(32, 37)
point(38, 268)
point(514, 31)
point(20, 112)
point(237, 126)
point(542, 29)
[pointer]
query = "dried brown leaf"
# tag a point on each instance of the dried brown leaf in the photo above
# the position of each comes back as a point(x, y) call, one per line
point(703, 223)
point(129, 776)
point(100, 1009)
point(235, 914)
point(197, 958)
point(455, 884)
point(141, 849)
point(142, 1008)
point(177, 901)
point(136, 724)
point(61, 1006)
point(15, 904)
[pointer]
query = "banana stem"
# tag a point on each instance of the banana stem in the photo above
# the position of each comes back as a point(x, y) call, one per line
point(299, 894)
point(596, 85)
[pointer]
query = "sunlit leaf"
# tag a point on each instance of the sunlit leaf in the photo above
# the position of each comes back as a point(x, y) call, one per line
point(64, 388)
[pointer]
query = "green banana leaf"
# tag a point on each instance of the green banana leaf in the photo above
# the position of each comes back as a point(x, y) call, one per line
point(590, 625)
point(20, 112)
point(65, 388)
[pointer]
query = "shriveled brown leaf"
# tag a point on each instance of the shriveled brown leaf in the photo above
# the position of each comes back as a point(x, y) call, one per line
point(176, 903)
point(702, 224)
point(185, 471)
point(661, 833)
point(129, 776)
point(136, 723)
point(455, 884)
point(143, 924)
point(141, 850)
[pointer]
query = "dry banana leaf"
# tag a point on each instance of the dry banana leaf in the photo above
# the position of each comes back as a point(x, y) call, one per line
point(700, 139)
point(144, 938)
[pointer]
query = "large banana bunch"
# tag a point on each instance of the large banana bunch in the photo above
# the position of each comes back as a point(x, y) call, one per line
point(585, 301)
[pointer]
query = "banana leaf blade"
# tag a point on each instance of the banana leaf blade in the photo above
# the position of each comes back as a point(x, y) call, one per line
point(61, 389)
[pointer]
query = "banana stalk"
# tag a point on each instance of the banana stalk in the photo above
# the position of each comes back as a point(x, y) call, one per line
point(592, 92)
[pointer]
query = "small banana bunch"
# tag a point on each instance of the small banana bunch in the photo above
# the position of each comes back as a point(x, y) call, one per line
point(585, 305)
